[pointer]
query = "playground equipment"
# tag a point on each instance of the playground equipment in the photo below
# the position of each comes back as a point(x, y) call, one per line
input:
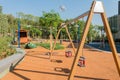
point(30, 46)
point(81, 61)
point(68, 53)
point(23, 36)
point(62, 26)
point(96, 7)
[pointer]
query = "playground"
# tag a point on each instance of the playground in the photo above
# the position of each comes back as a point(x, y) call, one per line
point(62, 59)
point(36, 66)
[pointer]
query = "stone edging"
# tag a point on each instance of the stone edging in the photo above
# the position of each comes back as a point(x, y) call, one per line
point(10, 62)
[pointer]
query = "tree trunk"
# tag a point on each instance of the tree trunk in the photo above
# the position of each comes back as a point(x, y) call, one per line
point(51, 38)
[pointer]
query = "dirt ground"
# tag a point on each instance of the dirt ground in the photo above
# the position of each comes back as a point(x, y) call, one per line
point(37, 66)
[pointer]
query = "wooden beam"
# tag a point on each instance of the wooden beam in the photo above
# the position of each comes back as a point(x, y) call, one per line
point(70, 39)
point(55, 43)
point(75, 19)
point(111, 41)
point(81, 44)
point(57, 39)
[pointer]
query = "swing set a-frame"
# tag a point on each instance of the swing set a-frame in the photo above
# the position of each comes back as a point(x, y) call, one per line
point(96, 8)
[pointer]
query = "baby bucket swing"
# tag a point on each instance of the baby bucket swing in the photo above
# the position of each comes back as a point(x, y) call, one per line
point(81, 61)
point(68, 53)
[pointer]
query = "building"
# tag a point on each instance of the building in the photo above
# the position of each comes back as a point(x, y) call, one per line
point(114, 22)
point(23, 36)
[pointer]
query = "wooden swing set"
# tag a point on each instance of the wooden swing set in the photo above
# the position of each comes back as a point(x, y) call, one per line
point(96, 8)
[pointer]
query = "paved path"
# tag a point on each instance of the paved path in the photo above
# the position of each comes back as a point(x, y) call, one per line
point(36, 66)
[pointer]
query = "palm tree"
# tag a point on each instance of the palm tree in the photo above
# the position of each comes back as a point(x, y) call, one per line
point(101, 29)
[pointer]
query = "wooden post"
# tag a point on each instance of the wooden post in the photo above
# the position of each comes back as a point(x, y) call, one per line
point(55, 43)
point(70, 39)
point(111, 41)
point(81, 44)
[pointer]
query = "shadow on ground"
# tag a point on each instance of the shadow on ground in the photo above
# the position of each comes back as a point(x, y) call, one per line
point(51, 73)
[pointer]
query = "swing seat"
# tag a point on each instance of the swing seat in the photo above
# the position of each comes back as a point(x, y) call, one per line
point(81, 61)
point(68, 53)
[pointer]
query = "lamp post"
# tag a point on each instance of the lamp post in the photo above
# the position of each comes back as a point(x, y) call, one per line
point(62, 8)
point(19, 26)
point(77, 26)
point(18, 33)
point(103, 38)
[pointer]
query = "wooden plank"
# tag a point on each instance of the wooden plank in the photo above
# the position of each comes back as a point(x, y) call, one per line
point(111, 41)
point(55, 43)
point(81, 44)
point(75, 19)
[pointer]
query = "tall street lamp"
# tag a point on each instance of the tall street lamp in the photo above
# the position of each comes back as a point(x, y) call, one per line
point(62, 8)
point(19, 33)
point(77, 36)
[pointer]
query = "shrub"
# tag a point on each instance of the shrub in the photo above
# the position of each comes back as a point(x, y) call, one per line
point(5, 48)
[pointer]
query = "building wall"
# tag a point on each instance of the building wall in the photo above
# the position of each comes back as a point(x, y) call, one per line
point(118, 22)
point(114, 25)
point(118, 35)
point(114, 22)
point(118, 7)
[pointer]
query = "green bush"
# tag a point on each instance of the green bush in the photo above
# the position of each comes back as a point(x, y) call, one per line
point(5, 48)
point(47, 45)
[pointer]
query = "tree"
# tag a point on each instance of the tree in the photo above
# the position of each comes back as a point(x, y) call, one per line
point(28, 19)
point(81, 25)
point(102, 36)
point(100, 30)
point(3, 25)
point(90, 33)
point(49, 21)
point(10, 22)
point(33, 31)
point(75, 29)
point(0, 9)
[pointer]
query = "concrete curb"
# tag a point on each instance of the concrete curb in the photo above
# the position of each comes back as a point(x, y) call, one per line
point(99, 49)
point(10, 62)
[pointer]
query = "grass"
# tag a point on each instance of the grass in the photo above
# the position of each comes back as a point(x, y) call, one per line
point(47, 46)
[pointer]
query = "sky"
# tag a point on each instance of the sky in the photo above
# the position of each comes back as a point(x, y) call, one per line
point(73, 8)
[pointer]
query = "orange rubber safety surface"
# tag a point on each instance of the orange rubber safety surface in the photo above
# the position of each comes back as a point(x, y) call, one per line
point(37, 66)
